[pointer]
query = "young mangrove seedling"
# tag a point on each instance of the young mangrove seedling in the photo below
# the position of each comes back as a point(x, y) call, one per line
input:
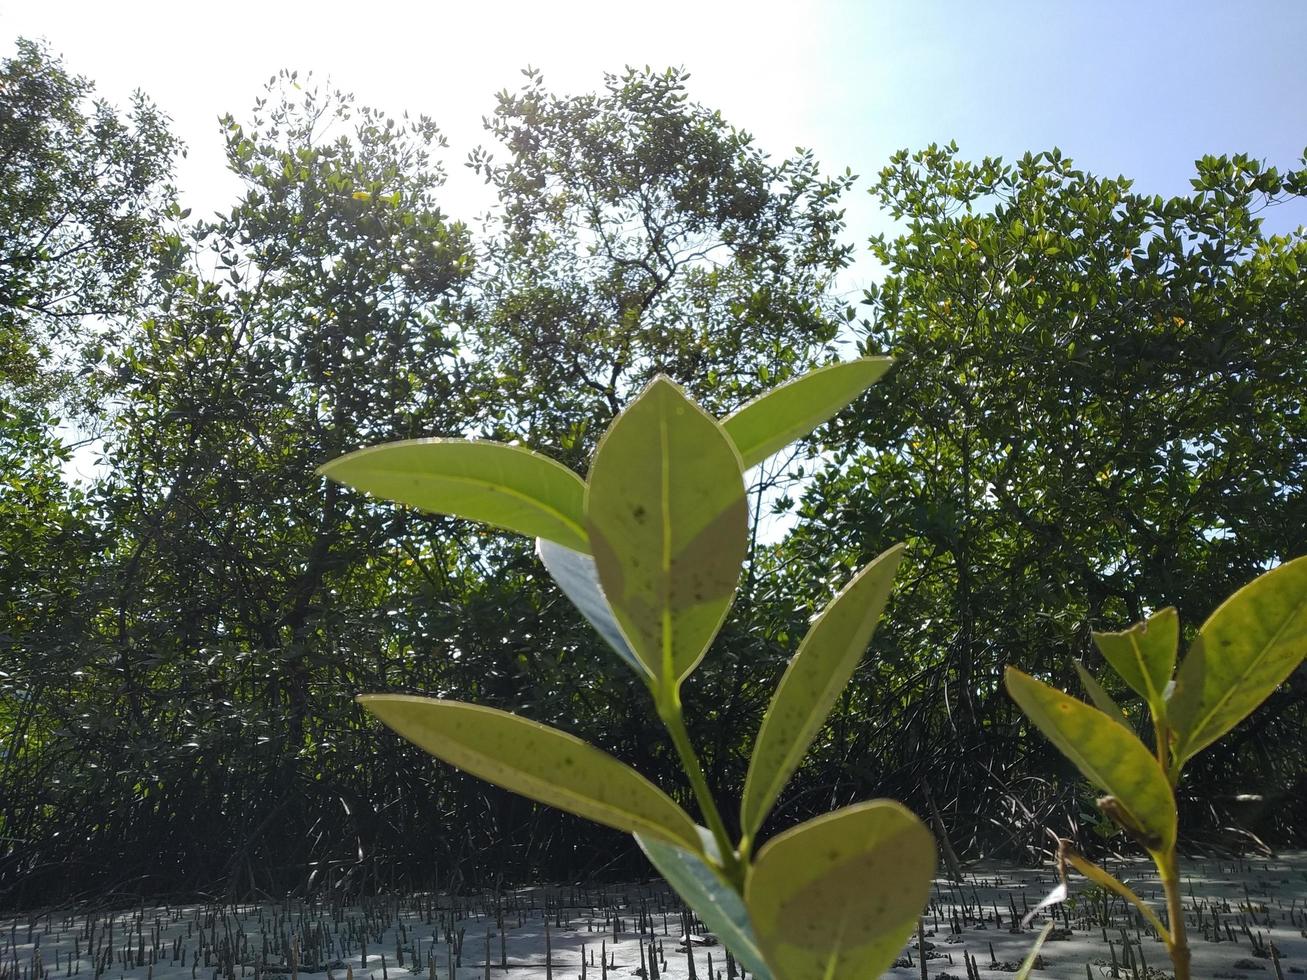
point(649, 548)
point(1246, 649)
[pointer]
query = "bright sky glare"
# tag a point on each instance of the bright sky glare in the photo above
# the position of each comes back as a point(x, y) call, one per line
point(1122, 87)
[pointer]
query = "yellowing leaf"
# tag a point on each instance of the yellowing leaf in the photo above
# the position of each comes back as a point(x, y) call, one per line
point(812, 682)
point(1102, 700)
point(1028, 964)
point(668, 526)
point(1144, 655)
point(835, 898)
point(1106, 753)
point(776, 418)
point(507, 486)
point(1247, 648)
point(537, 761)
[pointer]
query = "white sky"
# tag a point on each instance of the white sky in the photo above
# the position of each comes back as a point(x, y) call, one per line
point(1122, 87)
point(443, 59)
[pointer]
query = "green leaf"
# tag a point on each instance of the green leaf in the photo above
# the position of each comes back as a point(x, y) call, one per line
point(507, 486)
point(812, 682)
point(1245, 650)
point(1144, 655)
point(705, 891)
point(668, 525)
point(537, 761)
point(836, 898)
point(776, 418)
point(1108, 755)
point(1102, 700)
point(576, 575)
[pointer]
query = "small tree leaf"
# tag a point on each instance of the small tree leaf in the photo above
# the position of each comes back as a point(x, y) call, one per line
point(812, 682)
point(713, 900)
point(668, 525)
point(836, 898)
point(1102, 700)
point(536, 761)
point(1144, 655)
point(1245, 650)
point(507, 486)
point(577, 576)
point(1108, 755)
point(776, 418)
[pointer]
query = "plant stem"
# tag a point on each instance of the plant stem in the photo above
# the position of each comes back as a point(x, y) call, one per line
point(669, 709)
point(1179, 942)
point(1101, 878)
point(1159, 744)
point(1168, 863)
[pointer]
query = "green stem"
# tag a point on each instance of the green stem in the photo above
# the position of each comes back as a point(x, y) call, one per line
point(1168, 864)
point(1159, 741)
point(1178, 946)
point(669, 709)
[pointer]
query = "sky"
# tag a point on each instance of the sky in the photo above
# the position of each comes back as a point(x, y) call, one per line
point(1134, 88)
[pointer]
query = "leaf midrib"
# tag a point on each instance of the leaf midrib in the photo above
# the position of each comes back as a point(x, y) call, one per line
point(792, 756)
point(1231, 689)
point(633, 819)
point(1076, 756)
point(665, 585)
point(505, 489)
point(1154, 696)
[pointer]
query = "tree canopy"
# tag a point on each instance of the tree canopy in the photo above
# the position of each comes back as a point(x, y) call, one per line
point(1095, 412)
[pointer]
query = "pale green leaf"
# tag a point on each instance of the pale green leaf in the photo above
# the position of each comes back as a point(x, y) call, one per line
point(812, 682)
point(836, 898)
point(506, 486)
point(1144, 655)
point(1247, 648)
point(1108, 755)
point(577, 576)
point(776, 418)
point(713, 900)
point(668, 526)
point(1102, 700)
point(536, 761)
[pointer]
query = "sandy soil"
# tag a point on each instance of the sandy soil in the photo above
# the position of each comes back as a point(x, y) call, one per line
point(1237, 911)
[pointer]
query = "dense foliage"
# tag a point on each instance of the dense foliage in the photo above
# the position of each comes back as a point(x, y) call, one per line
point(1096, 413)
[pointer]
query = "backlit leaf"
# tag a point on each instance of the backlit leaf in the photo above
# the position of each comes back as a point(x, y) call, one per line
point(536, 761)
point(713, 900)
point(1144, 655)
point(812, 682)
point(1102, 700)
point(776, 418)
point(506, 486)
point(1247, 647)
point(836, 898)
point(577, 576)
point(1109, 755)
point(668, 526)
